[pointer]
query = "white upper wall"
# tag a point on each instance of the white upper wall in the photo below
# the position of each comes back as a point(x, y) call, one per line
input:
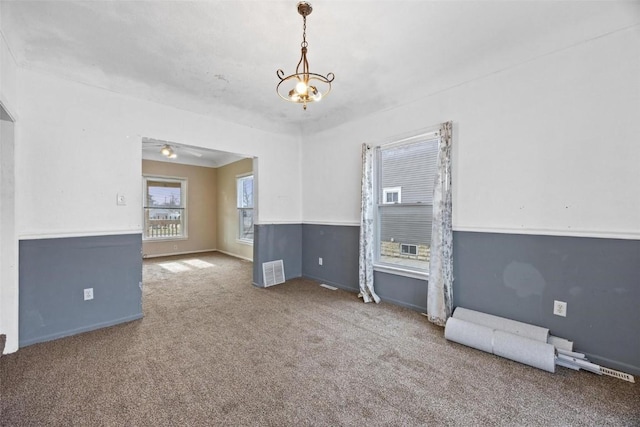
point(9, 304)
point(549, 146)
point(80, 146)
point(8, 70)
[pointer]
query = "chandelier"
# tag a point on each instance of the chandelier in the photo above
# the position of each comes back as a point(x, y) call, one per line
point(304, 87)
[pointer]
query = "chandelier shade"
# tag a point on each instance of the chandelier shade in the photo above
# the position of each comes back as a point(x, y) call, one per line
point(304, 87)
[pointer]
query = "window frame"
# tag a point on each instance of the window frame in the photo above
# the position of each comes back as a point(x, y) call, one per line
point(242, 209)
point(146, 178)
point(397, 269)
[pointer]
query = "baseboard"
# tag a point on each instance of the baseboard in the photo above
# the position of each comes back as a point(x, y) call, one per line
point(328, 282)
point(80, 330)
point(613, 364)
point(234, 255)
point(403, 304)
point(146, 256)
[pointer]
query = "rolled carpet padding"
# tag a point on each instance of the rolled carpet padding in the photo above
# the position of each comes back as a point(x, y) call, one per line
point(505, 344)
point(500, 323)
point(560, 343)
point(469, 334)
point(525, 350)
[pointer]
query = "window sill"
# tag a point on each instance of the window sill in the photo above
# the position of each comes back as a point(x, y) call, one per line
point(245, 242)
point(421, 275)
point(164, 239)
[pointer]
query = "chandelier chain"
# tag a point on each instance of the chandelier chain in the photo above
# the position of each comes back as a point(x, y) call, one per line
point(304, 32)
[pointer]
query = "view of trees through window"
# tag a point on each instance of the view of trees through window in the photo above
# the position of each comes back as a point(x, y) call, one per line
point(245, 208)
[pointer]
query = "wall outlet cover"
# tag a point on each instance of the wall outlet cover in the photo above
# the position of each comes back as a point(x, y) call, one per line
point(560, 308)
point(88, 294)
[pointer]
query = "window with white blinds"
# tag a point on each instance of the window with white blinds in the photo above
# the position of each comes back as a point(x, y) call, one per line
point(404, 222)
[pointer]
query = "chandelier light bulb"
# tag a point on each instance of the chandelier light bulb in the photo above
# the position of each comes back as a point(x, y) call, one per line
point(301, 88)
point(166, 150)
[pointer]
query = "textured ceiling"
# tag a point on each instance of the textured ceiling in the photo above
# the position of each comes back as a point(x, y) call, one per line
point(220, 57)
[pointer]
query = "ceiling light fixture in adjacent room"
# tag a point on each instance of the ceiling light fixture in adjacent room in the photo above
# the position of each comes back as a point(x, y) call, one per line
point(304, 87)
point(168, 151)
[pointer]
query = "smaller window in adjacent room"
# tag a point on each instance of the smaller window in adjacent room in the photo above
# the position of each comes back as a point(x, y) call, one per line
point(165, 208)
point(245, 208)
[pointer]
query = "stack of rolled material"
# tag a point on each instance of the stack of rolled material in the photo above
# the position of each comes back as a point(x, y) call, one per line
point(507, 338)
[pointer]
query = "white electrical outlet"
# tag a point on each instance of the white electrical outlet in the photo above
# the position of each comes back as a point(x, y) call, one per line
point(319, 261)
point(121, 200)
point(88, 294)
point(560, 308)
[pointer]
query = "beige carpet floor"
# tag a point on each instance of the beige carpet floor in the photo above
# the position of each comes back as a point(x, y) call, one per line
point(214, 350)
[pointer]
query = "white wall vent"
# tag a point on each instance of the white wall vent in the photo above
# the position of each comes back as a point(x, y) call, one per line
point(273, 273)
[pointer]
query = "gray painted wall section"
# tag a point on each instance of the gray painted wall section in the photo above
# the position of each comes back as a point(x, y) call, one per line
point(519, 277)
point(400, 290)
point(277, 241)
point(54, 273)
point(338, 245)
point(338, 248)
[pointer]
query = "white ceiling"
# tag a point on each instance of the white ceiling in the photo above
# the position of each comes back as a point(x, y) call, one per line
point(220, 57)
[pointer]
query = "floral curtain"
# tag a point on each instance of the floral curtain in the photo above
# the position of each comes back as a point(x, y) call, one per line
point(367, 239)
point(440, 288)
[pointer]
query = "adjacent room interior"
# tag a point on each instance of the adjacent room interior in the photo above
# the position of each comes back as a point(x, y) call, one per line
point(196, 230)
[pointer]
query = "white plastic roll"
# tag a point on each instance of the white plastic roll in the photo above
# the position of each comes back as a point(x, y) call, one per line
point(524, 350)
point(500, 323)
point(560, 343)
point(469, 334)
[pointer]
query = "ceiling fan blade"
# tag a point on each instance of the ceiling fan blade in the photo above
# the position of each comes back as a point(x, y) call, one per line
point(190, 151)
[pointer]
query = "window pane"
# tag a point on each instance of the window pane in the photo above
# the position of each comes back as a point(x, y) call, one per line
point(245, 192)
point(246, 224)
point(402, 225)
point(164, 213)
point(164, 194)
point(412, 168)
point(406, 175)
point(164, 222)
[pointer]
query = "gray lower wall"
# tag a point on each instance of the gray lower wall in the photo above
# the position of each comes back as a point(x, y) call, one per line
point(54, 273)
point(338, 246)
point(509, 275)
point(519, 277)
point(277, 241)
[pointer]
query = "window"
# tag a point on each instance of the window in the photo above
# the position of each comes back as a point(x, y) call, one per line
point(244, 186)
point(164, 208)
point(405, 173)
point(392, 195)
point(408, 249)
